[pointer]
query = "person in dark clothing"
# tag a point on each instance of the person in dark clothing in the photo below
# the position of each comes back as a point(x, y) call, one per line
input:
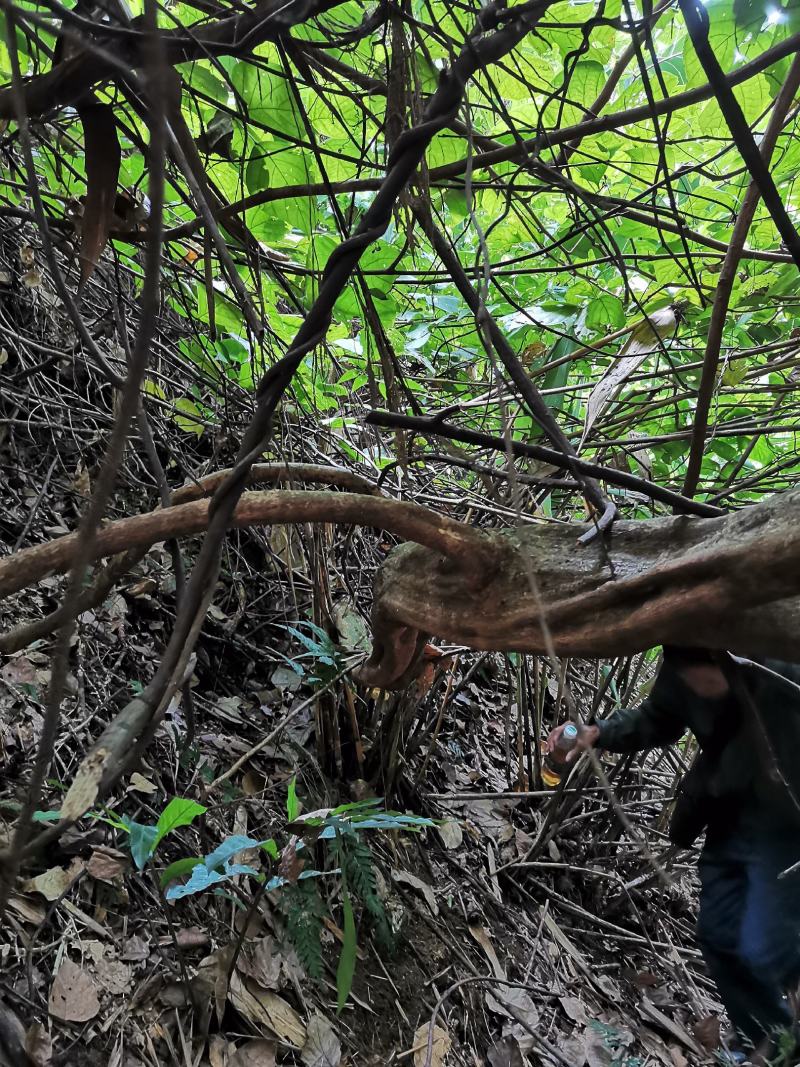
point(744, 792)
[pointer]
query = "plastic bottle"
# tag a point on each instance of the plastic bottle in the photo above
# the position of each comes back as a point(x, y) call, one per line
point(554, 762)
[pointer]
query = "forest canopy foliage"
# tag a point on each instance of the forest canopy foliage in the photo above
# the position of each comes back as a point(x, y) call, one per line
point(588, 179)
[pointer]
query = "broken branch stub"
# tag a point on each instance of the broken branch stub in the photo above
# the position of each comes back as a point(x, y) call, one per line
point(731, 582)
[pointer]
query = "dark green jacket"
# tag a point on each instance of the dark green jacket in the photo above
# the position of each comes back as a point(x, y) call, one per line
point(735, 762)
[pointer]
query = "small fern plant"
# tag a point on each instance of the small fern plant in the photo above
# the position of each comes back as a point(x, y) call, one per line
point(340, 832)
point(305, 911)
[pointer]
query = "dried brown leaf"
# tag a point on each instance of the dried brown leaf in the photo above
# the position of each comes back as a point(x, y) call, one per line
point(292, 863)
point(411, 880)
point(322, 1048)
point(451, 834)
point(514, 1003)
point(220, 1051)
point(575, 1009)
point(102, 160)
point(652, 1014)
point(38, 1046)
point(441, 1045)
point(107, 864)
point(190, 937)
point(140, 784)
point(258, 1053)
point(85, 785)
point(135, 949)
point(55, 882)
point(82, 482)
point(30, 910)
point(505, 1053)
point(707, 1032)
point(113, 975)
point(481, 936)
point(73, 997)
point(211, 980)
point(19, 671)
point(263, 963)
point(644, 339)
point(265, 1008)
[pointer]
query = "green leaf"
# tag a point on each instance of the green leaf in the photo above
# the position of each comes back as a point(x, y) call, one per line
point(292, 803)
point(142, 841)
point(178, 869)
point(268, 99)
point(179, 812)
point(271, 848)
point(185, 421)
point(347, 959)
point(604, 312)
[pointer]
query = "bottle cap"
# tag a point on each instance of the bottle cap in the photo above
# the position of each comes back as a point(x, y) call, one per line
point(570, 731)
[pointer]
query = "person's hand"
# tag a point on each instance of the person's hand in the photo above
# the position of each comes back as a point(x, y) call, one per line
point(587, 738)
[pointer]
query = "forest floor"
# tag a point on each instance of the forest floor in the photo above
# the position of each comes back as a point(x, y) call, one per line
point(531, 927)
point(528, 926)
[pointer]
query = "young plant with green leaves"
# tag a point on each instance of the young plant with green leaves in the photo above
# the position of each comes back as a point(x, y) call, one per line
point(346, 860)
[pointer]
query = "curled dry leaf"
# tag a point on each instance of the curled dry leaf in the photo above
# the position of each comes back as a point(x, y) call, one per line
point(514, 1003)
point(220, 1051)
point(441, 1045)
point(83, 791)
point(107, 864)
point(211, 980)
point(28, 909)
point(55, 882)
point(451, 834)
point(73, 997)
point(411, 880)
point(103, 156)
point(140, 784)
point(258, 1053)
point(322, 1047)
point(266, 1009)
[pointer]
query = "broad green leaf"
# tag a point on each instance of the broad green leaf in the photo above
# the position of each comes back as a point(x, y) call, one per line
point(268, 99)
point(179, 812)
point(605, 311)
point(188, 416)
point(142, 840)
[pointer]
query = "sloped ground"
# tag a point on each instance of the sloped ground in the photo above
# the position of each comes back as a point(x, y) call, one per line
point(529, 926)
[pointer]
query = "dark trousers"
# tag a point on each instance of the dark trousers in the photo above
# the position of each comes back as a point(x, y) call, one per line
point(749, 925)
